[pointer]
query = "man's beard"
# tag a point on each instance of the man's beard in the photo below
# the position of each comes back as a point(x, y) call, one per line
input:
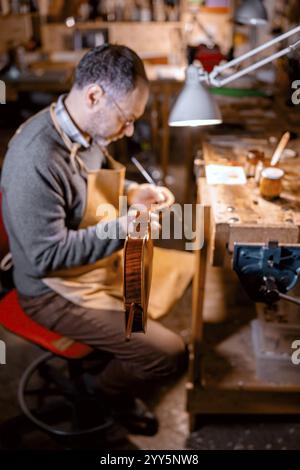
point(101, 140)
point(105, 141)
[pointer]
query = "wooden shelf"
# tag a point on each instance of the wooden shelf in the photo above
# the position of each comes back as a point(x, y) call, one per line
point(228, 361)
point(229, 384)
point(141, 36)
point(230, 365)
point(15, 28)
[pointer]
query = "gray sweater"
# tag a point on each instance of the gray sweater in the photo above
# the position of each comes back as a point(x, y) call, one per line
point(43, 202)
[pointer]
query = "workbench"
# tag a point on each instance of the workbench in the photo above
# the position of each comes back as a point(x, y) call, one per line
point(222, 375)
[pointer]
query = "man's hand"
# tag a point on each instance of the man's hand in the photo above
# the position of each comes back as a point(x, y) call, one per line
point(150, 196)
point(129, 227)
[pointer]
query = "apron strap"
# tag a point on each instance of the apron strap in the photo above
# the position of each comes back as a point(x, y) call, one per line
point(105, 152)
point(109, 158)
point(73, 147)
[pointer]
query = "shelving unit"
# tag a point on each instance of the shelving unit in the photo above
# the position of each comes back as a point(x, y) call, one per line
point(15, 28)
point(147, 37)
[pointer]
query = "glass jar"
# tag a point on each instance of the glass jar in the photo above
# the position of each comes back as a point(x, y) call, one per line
point(253, 157)
point(270, 184)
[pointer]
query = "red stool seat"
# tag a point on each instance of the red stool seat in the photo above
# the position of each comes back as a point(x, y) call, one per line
point(13, 318)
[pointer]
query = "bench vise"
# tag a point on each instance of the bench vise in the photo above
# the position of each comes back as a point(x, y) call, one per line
point(267, 271)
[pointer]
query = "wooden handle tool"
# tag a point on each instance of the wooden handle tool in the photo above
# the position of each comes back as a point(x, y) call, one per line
point(280, 148)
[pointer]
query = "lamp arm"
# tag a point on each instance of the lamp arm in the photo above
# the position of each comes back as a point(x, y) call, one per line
point(221, 82)
point(219, 69)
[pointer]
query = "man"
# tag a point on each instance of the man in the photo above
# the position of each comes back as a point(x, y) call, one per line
point(56, 175)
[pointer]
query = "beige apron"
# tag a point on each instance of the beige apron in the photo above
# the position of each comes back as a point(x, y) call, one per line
point(100, 285)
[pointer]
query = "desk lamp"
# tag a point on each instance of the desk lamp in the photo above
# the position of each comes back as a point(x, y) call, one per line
point(251, 12)
point(196, 106)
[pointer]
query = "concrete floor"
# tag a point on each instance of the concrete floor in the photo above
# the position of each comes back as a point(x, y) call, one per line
point(239, 432)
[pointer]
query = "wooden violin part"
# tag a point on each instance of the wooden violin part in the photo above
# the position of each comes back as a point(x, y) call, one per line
point(138, 254)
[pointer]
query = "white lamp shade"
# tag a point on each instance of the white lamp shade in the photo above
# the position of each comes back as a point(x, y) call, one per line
point(195, 106)
point(251, 12)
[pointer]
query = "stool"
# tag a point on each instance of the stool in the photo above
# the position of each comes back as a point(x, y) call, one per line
point(69, 382)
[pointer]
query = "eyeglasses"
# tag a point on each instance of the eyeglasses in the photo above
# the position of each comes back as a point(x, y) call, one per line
point(126, 121)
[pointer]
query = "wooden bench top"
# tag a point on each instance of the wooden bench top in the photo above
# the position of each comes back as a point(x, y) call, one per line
point(240, 214)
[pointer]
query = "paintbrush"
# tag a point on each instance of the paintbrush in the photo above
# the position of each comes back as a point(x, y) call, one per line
point(151, 180)
point(143, 171)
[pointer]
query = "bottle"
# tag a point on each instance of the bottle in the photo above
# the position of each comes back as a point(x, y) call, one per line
point(119, 10)
point(108, 10)
point(24, 7)
point(159, 10)
point(145, 12)
point(84, 11)
point(253, 157)
point(135, 12)
point(15, 6)
point(5, 7)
